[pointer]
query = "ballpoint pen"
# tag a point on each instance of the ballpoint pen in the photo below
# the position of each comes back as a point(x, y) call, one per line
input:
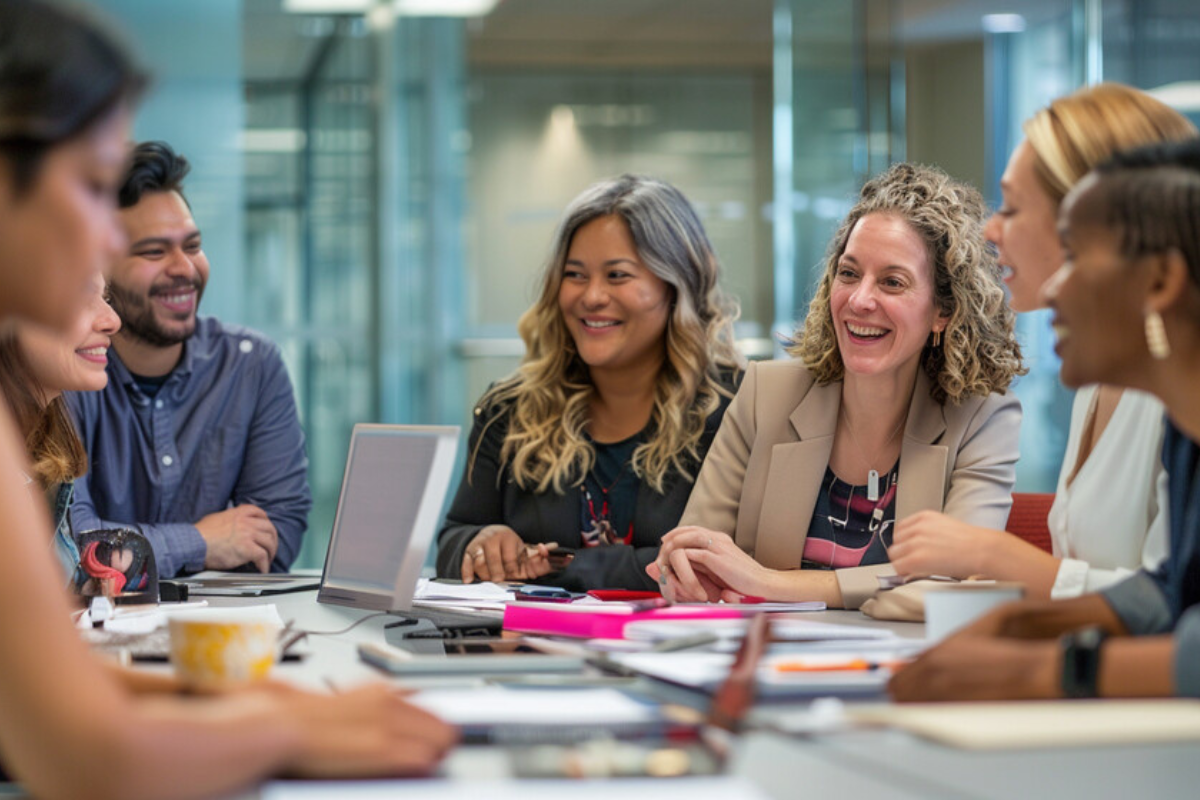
point(849, 665)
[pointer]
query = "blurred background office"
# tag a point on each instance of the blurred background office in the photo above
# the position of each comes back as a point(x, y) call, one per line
point(377, 180)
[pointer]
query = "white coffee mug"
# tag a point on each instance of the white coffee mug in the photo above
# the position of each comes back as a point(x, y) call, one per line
point(950, 607)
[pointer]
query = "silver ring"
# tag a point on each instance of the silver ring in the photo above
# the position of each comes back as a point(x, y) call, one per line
point(477, 554)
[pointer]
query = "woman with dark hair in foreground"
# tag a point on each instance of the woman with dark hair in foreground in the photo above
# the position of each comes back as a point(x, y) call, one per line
point(70, 726)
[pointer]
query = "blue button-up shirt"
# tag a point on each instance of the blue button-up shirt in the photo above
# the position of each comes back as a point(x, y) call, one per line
point(222, 431)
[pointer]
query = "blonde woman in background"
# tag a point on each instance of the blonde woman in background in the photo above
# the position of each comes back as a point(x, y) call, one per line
point(582, 460)
point(895, 402)
point(1108, 513)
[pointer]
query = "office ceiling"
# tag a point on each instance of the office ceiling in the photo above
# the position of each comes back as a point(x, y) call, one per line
point(279, 46)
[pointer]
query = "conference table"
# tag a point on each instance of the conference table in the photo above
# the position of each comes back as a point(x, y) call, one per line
point(866, 763)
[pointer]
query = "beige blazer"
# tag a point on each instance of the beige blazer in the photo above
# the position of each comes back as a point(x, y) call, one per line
point(760, 481)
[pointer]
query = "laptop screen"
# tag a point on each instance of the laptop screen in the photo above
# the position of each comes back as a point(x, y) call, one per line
point(391, 503)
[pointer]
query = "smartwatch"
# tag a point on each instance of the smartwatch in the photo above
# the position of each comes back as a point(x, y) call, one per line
point(1081, 661)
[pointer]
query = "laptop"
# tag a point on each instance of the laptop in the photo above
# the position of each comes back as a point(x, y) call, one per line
point(246, 584)
point(389, 509)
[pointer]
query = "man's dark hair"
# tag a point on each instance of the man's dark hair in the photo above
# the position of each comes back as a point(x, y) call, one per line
point(1152, 196)
point(153, 167)
point(61, 71)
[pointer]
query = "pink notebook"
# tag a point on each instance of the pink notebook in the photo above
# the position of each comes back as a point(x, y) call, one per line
point(600, 622)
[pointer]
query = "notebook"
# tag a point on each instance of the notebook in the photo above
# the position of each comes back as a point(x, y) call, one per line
point(1036, 725)
point(604, 620)
point(391, 502)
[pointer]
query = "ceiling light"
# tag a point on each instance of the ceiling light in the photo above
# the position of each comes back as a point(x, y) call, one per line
point(1183, 96)
point(327, 6)
point(443, 8)
point(272, 140)
point(1003, 23)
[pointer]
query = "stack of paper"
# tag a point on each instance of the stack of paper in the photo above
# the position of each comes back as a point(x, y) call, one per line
point(783, 628)
point(842, 674)
point(483, 596)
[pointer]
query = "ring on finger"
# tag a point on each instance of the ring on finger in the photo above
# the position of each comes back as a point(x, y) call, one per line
point(477, 554)
point(708, 543)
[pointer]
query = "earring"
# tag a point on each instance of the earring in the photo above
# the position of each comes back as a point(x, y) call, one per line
point(937, 338)
point(1156, 336)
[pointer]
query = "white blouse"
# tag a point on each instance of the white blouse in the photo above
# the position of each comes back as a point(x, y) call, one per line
point(1112, 518)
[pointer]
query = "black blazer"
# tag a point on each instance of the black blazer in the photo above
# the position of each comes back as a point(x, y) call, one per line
point(488, 495)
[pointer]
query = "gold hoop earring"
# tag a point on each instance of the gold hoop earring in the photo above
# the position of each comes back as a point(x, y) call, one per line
point(1156, 336)
point(937, 338)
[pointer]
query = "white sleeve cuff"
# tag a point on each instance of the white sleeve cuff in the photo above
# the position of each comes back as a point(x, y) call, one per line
point(1071, 580)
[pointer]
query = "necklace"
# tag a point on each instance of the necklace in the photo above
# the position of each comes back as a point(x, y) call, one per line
point(872, 473)
point(598, 527)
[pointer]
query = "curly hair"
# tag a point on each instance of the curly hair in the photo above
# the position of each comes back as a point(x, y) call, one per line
point(979, 353)
point(55, 451)
point(1077, 132)
point(546, 401)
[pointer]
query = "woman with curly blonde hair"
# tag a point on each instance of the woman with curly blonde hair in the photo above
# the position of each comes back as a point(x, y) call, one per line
point(1115, 439)
point(895, 402)
point(580, 461)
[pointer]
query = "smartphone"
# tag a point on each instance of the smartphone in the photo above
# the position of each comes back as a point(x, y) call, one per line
point(545, 594)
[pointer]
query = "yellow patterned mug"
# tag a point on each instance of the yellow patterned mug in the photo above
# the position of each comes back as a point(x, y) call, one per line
point(221, 649)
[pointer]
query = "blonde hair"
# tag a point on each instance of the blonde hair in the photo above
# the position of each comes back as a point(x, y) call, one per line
point(979, 352)
point(1081, 130)
point(546, 401)
point(51, 442)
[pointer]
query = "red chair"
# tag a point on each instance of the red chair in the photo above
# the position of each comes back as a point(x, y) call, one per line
point(1028, 518)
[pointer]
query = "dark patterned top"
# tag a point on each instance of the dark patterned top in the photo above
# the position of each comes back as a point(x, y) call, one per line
point(848, 529)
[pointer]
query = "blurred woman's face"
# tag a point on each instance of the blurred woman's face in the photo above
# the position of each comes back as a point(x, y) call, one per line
point(1024, 231)
point(61, 231)
point(882, 298)
point(75, 361)
point(1097, 297)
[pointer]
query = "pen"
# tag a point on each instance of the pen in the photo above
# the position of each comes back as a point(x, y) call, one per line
point(852, 665)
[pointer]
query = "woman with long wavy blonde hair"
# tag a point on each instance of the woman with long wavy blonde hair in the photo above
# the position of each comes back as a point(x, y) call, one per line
point(1115, 439)
point(581, 460)
point(896, 401)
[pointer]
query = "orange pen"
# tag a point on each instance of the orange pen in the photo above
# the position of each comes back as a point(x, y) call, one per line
point(852, 665)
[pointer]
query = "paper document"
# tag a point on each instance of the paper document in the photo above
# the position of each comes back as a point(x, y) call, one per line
point(783, 628)
point(501, 706)
point(705, 671)
point(140, 619)
point(464, 592)
point(1040, 724)
point(706, 788)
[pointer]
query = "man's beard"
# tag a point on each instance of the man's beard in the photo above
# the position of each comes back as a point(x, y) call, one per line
point(137, 315)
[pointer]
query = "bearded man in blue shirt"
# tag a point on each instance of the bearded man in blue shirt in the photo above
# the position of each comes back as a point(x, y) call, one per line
point(196, 440)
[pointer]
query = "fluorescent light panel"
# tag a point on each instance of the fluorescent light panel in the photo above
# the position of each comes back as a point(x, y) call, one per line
point(1183, 96)
point(327, 6)
point(407, 8)
point(443, 8)
point(1003, 23)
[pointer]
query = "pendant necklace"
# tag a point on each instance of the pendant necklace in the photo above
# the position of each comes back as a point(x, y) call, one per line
point(872, 473)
